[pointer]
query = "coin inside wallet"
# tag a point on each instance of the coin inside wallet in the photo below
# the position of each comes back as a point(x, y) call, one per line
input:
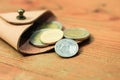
point(24, 43)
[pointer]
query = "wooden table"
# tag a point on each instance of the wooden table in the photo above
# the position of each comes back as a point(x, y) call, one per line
point(98, 58)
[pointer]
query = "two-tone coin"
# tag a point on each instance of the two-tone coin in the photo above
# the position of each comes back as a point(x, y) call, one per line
point(51, 25)
point(76, 33)
point(50, 36)
point(35, 38)
point(66, 48)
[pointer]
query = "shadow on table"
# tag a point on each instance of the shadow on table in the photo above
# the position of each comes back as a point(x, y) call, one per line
point(84, 43)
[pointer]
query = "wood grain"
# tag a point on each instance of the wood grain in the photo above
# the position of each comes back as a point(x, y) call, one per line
point(98, 58)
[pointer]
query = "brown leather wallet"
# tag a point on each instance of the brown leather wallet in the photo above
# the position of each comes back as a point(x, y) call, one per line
point(17, 32)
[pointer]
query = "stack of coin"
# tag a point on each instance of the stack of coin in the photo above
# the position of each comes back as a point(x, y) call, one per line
point(47, 34)
point(68, 47)
point(51, 33)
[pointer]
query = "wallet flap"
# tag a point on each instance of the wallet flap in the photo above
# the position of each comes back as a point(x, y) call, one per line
point(31, 16)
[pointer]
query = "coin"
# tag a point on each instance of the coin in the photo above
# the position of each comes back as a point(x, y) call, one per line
point(35, 38)
point(51, 25)
point(66, 48)
point(50, 36)
point(76, 33)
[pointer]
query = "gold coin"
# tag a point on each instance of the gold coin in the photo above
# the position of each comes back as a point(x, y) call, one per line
point(50, 36)
point(51, 25)
point(76, 33)
point(35, 38)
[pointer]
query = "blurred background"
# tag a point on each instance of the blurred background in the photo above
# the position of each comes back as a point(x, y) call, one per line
point(110, 9)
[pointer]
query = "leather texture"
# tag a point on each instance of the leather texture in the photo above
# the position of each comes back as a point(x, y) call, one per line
point(17, 32)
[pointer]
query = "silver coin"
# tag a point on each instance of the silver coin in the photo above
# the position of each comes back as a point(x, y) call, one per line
point(66, 48)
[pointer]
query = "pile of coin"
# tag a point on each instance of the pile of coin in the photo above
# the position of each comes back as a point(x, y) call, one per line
point(64, 41)
point(47, 34)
